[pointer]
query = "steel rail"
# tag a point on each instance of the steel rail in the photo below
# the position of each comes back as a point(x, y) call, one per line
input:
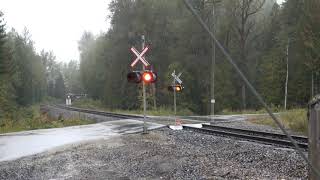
point(260, 133)
point(102, 113)
point(251, 137)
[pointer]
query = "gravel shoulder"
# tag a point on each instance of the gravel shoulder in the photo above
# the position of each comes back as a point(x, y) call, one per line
point(162, 154)
point(257, 127)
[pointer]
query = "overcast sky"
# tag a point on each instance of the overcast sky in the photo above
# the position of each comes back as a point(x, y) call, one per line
point(57, 25)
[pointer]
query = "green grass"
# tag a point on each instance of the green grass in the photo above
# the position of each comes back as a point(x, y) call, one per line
point(231, 112)
point(88, 104)
point(51, 100)
point(161, 111)
point(295, 119)
point(30, 119)
point(251, 111)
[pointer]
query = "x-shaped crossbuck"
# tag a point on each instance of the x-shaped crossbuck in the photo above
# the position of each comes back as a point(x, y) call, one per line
point(139, 56)
point(177, 78)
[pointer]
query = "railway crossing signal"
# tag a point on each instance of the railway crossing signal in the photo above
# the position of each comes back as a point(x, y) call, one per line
point(145, 76)
point(177, 83)
point(175, 88)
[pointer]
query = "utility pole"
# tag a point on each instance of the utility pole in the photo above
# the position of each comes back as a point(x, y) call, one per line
point(174, 97)
point(287, 77)
point(312, 85)
point(315, 83)
point(145, 131)
point(213, 58)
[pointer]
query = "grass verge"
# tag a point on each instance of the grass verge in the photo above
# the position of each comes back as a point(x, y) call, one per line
point(30, 119)
point(295, 120)
point(161, 111)
point(248, 111)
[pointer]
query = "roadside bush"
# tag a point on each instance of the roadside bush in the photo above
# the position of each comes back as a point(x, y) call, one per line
point(29, 118)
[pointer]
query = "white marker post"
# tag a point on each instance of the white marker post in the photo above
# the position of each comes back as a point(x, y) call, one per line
point(68, 101)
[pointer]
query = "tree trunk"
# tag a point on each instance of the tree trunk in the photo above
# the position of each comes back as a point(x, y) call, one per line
point(244, 105)
point(287, 77)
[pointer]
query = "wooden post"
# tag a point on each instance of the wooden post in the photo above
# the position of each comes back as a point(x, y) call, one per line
point(287, 77)
point(314, 136)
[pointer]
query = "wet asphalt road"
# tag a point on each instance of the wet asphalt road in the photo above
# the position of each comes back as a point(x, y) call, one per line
point(20, 144)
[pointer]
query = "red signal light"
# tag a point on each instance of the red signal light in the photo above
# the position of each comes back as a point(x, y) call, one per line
point(138, 76)
point(149, 77)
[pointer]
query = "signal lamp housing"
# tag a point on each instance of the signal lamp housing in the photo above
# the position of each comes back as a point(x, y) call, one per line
point(134, 77)
point(177, 88)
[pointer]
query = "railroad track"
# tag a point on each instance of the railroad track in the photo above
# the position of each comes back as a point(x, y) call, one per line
point(257, 136)
point(102, 113)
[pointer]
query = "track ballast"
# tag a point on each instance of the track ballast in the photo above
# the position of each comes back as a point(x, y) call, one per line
point(251, 135)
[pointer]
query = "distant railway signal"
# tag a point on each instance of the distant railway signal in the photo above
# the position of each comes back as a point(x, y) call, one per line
point(177, 83)
point(68, 100)
point(176, 88)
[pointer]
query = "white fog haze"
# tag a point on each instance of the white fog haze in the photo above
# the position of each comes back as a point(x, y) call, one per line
point(44, 19)
point(56, 25)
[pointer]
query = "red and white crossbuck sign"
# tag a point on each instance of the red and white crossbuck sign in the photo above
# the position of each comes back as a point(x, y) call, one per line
point(139, 56)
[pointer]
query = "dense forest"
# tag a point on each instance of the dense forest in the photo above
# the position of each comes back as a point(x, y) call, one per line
point(261, 35)
point(28, 77)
